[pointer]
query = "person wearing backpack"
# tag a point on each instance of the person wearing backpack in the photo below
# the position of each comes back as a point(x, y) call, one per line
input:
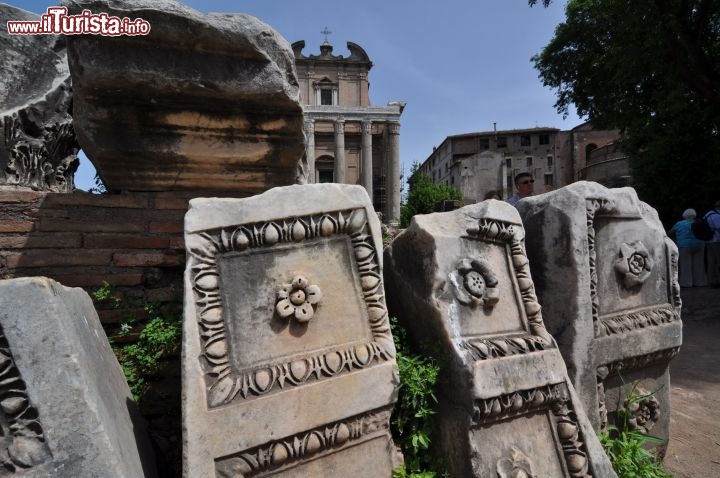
point(713, 246)
point(691, 263)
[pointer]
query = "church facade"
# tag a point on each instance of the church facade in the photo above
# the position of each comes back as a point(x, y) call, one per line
point(348, 140)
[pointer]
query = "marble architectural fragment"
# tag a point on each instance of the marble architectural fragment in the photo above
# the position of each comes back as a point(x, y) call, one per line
point(461, 280)
point(65, 408)
point(202, 102)
point(606, 274)
point(38, 149)
point(288, 361)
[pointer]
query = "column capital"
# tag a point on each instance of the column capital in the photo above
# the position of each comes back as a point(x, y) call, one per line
point(340, 126)
point(393, 127)
point(309, 125)
point(366, 126)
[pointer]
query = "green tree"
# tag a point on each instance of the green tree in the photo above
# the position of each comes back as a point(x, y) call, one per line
point(423, 195)
point(650, 68)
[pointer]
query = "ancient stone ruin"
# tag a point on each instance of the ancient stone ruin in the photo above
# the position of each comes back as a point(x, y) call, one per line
point(460, 280)
point(606, 274)
point(212, 106)
point(65, 408)
point(38, 148)
point(288, 361)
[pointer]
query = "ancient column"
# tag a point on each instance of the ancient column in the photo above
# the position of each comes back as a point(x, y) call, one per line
point(393, 176)
point(340, 151)
point(310, 150)
point(367, 175)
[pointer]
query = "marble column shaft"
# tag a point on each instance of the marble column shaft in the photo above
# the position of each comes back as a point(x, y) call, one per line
point(310, 150)
point(367, 172)
point(393, 176)
point(340, 165)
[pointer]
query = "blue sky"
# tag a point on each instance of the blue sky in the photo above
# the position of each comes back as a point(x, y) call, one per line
point(459, 64)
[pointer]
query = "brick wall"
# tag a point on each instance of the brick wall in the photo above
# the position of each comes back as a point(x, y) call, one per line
point(132, 241)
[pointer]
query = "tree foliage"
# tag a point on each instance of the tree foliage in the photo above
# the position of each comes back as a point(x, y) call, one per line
point(650, 68)
point(423, 195)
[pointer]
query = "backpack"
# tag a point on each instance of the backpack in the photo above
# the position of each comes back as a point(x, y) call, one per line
point(701, 228)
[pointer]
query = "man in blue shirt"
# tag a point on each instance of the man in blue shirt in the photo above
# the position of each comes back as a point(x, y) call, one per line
point(524, 185)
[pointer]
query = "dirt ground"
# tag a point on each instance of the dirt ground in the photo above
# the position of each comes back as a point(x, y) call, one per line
point(694, 448)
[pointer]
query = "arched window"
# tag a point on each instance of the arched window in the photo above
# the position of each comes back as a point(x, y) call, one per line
point(589, 149)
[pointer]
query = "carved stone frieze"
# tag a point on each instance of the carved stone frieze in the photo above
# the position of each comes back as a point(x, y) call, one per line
point(552, 399)
point(594, 206)
point(22, 445)
point(224, 382)
point(651, 411)
point(272, 456)
point(483, 349)
point(658, 315)
point(512, 236)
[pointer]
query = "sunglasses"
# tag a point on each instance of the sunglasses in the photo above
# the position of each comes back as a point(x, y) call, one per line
point(529, 181)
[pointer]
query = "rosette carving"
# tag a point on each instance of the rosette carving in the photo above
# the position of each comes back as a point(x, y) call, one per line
point(633, 263)
point(475, 283)
point(298, 299)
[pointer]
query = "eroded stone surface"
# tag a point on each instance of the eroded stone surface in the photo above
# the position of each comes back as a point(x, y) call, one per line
point(286, 336)
point(203, 102)
point(66, 410)
point(38, 148)
point(606, 274)
point(461, 280)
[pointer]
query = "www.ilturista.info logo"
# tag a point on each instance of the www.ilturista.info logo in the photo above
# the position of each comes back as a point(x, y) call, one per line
point(56, 21)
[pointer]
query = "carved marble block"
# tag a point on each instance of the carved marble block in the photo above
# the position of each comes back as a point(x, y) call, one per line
point(202, 102)
point(65, 408)
point(461, 280)
point(607, 276)
point(288, 361)
point(38, 148)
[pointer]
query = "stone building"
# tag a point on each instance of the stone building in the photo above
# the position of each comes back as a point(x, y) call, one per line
point(348, 140)
point(476, 163)
point(465, 160)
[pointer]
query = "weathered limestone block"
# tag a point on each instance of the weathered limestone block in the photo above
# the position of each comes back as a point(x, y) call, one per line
point(461, 279)
point(65, 408)
point(606, 274)
point(203, 102)
point(38, 148)
point(288, 360)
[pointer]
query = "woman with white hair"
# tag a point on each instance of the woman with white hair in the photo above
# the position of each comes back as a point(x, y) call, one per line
point(692, 252)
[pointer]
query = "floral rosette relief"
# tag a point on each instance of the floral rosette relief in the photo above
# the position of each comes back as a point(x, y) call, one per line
point(475, 284)
point(298, 299)
point(633, 263)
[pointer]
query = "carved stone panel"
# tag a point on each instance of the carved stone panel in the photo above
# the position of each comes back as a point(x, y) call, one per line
point(65, 408)
point(462, 280)
point(607, 276)
point(286, 336)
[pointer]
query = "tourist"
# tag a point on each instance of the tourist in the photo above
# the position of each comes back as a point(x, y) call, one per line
point(524, 185)
point(492, 194)
point(692, 252)
point(713, 246)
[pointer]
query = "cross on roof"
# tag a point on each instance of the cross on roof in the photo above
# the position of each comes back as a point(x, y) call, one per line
point(326, 32)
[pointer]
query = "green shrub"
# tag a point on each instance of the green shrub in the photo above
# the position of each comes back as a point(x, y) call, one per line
point(156, 340)
point(625, 447)
point(412, 422)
